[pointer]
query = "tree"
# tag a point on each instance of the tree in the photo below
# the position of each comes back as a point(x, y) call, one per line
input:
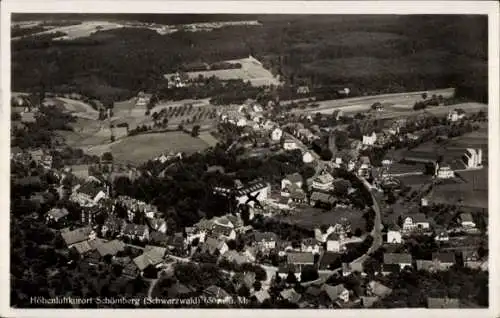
point(244, 291)
point(309, 273)
point(326, 154)
point(375, 105)
point(291, 279)
point(107, 157)
point(424, 96)
point(260, 273)
point(196, 131)
point(245, 214)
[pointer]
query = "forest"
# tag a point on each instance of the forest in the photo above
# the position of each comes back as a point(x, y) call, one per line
point(368, 54)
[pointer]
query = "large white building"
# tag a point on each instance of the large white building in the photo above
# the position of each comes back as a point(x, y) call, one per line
point(276, 134)
point(323, 182)
point(370, 140)
point(473, 158)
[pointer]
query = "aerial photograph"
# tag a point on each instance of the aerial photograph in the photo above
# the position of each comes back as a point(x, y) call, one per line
point(248, 161)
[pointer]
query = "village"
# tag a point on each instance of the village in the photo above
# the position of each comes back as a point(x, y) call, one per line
point(374, 203)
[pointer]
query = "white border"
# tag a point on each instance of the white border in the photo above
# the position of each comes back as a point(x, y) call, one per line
point(277, 7)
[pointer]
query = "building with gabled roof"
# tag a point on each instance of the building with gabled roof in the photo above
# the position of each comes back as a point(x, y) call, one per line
point(111, 248)
point(78, 235)
point(402, 259)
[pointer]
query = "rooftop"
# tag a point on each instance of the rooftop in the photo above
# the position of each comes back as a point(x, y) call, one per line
point(78, 235)
point(397, 258)
point(300, 258)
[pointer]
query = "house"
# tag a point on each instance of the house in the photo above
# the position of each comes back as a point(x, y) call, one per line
point(333, 243)
point(375, 288)
point(321, 198)
point(323, 182)
point(85, 247)
point(370, 139)
point(265, 240)
point(193, 233)
point(93, 191)
point(78, 235)
point(471, 259)
point(244, 279)
point(466, 220)
point(292, 179)
point(303, 90)
point(176, 243)
point(158, 225)
point(131, 270)
point(233, 256)
point(444, 172)
point(291, 295)
point(417, 221)
point(456, 115)
point(136, 231)
point(212, 245)
point(440, 303)
point(426, 265)
point(285, 269)
point(394, 235)
point(152, 256)
point(337, 292)
point(444, 260)
point(388, 269)
point(55, 215)
point(276, 134)
point(261, 296)
point(111, 248)
point(401, 259)
point(223, 232)
point(289, 144)
point(307, 157)
point(310, 245)
point(442, 236)
point(216, 292)
point(300, 259)
point(297, 196)
point(349, 268)
point(112, 226)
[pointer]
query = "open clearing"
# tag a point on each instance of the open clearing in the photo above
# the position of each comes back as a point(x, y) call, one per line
point(251, 70)
point(358, 104)
point(140, 148)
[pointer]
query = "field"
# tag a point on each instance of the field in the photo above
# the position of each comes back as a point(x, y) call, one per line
point(311, 218)
point(82, 30)
point(359, 104)
point(452, 149)
point(140, 148)
point(251, 70)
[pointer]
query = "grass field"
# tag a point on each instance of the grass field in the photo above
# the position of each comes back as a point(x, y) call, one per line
point(312, 218)
point(140, 148)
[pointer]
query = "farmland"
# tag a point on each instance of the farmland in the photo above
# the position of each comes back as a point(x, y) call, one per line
point(140, 148)
point(251, 70)
point(404, 101)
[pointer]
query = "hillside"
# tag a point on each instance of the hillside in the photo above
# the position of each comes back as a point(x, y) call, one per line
point(370, 54)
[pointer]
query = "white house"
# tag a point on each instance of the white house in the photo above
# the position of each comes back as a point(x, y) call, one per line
point(369, 140)
point(416, 221)
point(276, 134)
point(467, 221)
point(307, 157)
point(333, 243)
point(456, 115)
point(445, 172)
point(289, 144)
point(323, 182)
point(394, 237)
